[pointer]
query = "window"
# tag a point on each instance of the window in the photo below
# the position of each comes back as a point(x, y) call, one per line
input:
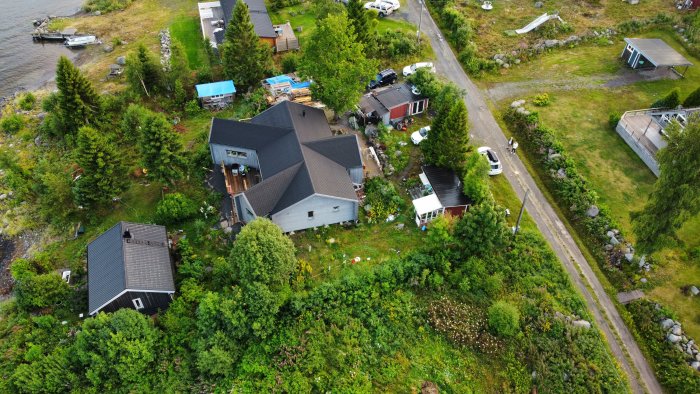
point(336, 208)
point(417, 107)
point(137, 303)
point(235, 153)
point(310, 214)
point(249, 212)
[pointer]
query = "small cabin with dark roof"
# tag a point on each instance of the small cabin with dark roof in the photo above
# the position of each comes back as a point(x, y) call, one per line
point(286, 164)
point(393, 103)
point(442, 193)
point(129, 266)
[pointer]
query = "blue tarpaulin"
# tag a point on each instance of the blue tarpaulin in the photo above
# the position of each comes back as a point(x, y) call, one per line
point(287, 78)
point(215, 88)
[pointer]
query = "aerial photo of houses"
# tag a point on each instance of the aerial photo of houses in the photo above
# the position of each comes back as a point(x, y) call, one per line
point(350, 196)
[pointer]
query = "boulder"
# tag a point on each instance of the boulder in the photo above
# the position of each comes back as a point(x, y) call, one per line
point(695, 365)
point(614, 241)
point(121, 60)
point(667, 323)
point(610, 234)
point(553, 156)
point(673, 338)
point(108, 48)
point(228, 230)
point(694, 290)
point(516, 104)
point(677, 330)
point(561, 173)
point(593, 211)
point(581, 323)
point(609, 247)
point(3, 196)
point(629, 256)
point(644, 280)
point(98, 13)
point(551, 43)
point(539, 4)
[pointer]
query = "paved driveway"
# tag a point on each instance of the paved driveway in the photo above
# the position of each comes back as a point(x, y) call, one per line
point(485, 130)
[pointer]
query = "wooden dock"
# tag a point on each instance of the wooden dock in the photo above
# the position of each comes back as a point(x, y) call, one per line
point(52, 35)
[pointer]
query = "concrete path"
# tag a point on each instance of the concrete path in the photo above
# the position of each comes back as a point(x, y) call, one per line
point(486, 131)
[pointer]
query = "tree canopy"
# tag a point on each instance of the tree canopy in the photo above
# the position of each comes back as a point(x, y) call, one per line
point(676, 194)
point(360, 21)
point(336, 62)
point(77, 102)
point(449, 137)
point(161, 148)
point(103, 172)
point(143, 71)
point(246, 59)
point(481, 230)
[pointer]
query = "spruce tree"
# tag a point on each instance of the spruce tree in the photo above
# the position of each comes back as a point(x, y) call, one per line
point(446, 145)
point(693, 99)
point(104, 174)
point(671, 100)
point(161, 149)
point(143, 71)
point(179, 66)
point(360, 21)
point(77, 102)
point(245, 58)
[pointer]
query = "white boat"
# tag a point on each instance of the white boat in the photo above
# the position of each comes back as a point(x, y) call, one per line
point(80, 41)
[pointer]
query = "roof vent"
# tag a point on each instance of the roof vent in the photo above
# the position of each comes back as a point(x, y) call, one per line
point(127, 234)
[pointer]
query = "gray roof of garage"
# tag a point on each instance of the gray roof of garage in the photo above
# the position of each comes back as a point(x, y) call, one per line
point(116, 263)
point(658, 52)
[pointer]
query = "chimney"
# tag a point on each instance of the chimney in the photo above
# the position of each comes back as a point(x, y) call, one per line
point(303, 113)
point(127, 234)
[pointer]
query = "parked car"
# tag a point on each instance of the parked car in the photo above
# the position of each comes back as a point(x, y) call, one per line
point(394, 3)
point(420, 135)
point(494, 163)
point(384, 9)
point(410, 69)
point(385, 77)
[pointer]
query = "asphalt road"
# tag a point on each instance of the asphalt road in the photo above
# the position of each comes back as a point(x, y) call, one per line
point(485, 131)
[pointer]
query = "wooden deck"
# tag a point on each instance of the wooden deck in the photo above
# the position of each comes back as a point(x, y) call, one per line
point(237, 183)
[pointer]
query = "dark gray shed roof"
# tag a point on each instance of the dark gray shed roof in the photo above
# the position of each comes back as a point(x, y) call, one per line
point(447, 186)
point(139, 263)
point(383, 100)
point(258, 16)
point(297, 153)
point(658, 52)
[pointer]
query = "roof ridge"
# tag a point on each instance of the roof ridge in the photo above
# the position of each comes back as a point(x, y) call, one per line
point(292, 170)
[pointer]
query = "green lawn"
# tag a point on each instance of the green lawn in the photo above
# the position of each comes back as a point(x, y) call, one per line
point(580, 120)
point(187, 31)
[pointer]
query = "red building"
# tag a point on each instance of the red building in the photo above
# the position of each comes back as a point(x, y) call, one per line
point(393, 103)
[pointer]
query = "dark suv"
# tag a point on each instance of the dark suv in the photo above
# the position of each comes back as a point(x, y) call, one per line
point(385, 77)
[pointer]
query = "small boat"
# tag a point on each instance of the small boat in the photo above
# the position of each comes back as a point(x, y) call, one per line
point(80, 41)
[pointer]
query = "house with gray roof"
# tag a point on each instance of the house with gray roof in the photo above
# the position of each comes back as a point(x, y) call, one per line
point(393, 103)
point(287, 165)
point(129, 266)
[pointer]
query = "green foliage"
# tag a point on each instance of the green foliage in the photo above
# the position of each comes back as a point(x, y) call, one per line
point(394, 44)
point(336, 63)
point(671, 100)
point(103, 172)
point(614, 119)
point(161, 149)
point(541, 100)
point(482, 230)
point(77, 104)
point(12, 123)
point(693, 99)
point(36, 290)
point(361, 24)
point(105, 6)
point(246, 59)
point(179, 71)
point(674, 199)
point(144, 72)
point(475, 180)
point(381, 199)
point(192, 108)
point(290, 62)
point(117, 351)
point(504, 319)
point(27, 101)
point(132, 121)
point(463, 324)
point(175, 208)
point(449, 137)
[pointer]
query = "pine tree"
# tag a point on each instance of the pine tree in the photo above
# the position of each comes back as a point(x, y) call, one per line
point(360, 21)
point(161, 149)
point(246, 59)
point(143, 71)
point(77, 102)
point(693, 99)
point(179, 66)
point(447, 144)
point(103, 174)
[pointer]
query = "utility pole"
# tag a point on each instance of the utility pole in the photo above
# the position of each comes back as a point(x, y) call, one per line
point(420, 20)
point(520, 215)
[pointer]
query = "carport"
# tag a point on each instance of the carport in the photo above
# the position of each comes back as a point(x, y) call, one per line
point(652, 53)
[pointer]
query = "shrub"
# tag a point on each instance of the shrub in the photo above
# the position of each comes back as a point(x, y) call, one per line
point(693, 99)
point(175, 208)
point(27, 102)
point(192, 108)
point(614, 119)
point(35, 290)
point(106, 5)
point(671, 100)
point(381, 200)
point(290, 62)
point(394, 44)
point(542, 100)
point(504, 319)
point(12, 123)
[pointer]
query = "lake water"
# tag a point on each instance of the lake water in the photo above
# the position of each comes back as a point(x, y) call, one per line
point(24, 63)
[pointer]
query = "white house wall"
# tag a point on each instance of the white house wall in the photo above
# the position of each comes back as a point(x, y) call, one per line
point(218, 153)
point(296, 217)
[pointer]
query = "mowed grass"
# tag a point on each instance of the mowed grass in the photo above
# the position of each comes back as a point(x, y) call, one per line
point(580, 119)
point(187, 30)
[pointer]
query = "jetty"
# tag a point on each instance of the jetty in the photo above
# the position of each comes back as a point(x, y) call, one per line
point(42, 33)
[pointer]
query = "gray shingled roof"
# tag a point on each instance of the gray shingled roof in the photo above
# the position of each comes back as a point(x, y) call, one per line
point(140, 263)
point(658, 52)
point(297, 153)
point(384, 99)
point(258, 15)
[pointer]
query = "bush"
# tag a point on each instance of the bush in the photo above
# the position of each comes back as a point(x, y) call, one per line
point(174, 208)
point(12, 123)
point(27, 102)
point(290, 62)
point(504, 319)
point(105, 6)
point(693, 99)
point(614, 119)
point(192, 108)
point(394, 44)
point(381, 200)
point(671, 100)
point(542, 100)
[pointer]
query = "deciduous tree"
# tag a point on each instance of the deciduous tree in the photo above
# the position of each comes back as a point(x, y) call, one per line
point(337, 64)
point(103, 171)
point(246, 59)
point(676, 194)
